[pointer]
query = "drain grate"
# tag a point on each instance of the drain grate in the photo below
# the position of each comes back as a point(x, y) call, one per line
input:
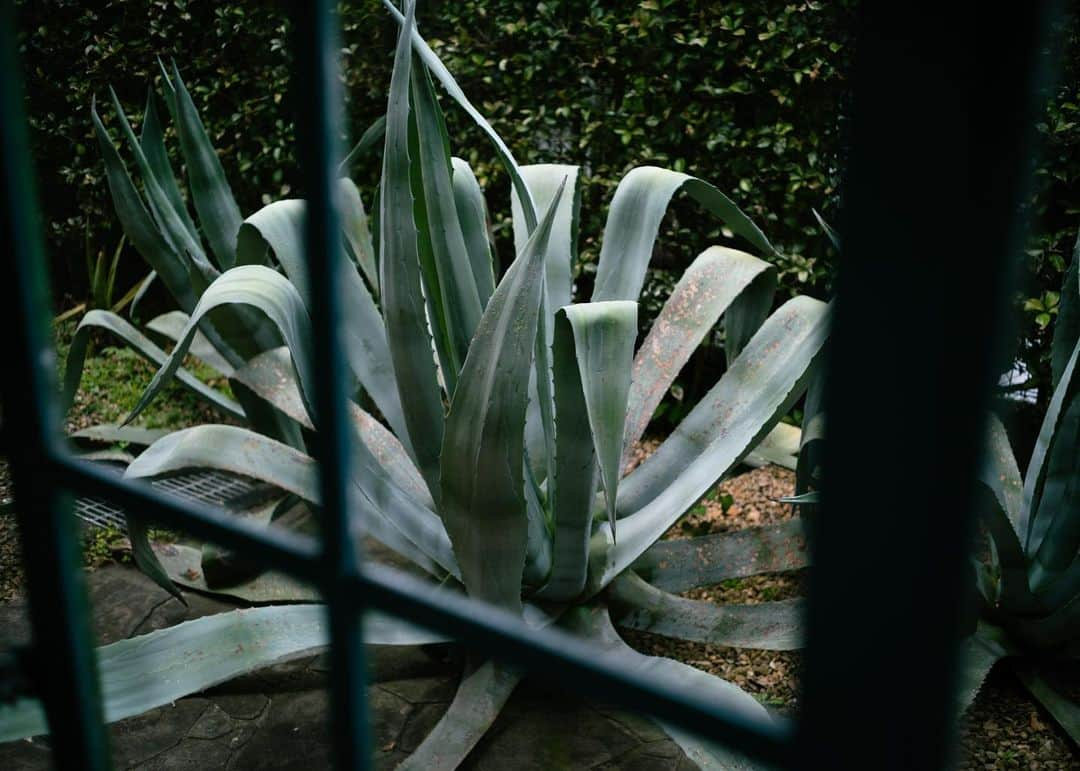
point(216, 488)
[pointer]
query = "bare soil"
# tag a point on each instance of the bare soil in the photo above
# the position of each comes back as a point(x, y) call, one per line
point(1003, 729)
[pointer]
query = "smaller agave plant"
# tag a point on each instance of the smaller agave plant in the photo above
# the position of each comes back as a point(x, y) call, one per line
point(494, 420)
point(1030, 591)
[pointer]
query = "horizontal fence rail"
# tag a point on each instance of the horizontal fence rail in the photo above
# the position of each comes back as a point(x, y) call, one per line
point(46, 474)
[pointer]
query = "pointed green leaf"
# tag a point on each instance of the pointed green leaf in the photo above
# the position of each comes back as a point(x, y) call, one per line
point(354, 222)
point(210, 191)
point(633, 222)
point(141, 230)
point(453, 268)
point(979, 653)
point(142, 345)
point(827, 229)
point(140, 293)
point(708, 287)
point(403, 304)
point(446, 79)
point(369, 140)
point(482, 500)
point(770, 626)
point(168, 219)
point(152, 141)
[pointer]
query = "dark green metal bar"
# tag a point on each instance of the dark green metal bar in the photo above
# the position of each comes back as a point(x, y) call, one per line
point(318, 101)
point(557, 656)
point(943, 126)
point(64, 670)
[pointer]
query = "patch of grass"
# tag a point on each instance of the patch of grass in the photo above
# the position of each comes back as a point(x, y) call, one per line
point(114, 378)
point(102, 545)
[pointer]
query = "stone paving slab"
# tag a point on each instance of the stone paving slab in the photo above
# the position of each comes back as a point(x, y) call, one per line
point(277, 718)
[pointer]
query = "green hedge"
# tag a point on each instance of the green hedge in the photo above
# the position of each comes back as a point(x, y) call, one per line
point(751, 96)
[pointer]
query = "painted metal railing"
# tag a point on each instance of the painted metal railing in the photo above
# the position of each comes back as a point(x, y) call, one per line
point(931, 186)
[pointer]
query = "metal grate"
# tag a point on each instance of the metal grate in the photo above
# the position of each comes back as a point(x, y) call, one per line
point(214, 488)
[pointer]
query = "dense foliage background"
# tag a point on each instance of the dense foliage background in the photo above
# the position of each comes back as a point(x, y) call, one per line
point(751, 96)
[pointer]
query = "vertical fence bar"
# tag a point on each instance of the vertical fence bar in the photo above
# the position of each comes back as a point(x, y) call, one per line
point(943, 125)
point(317, 97)
point(63, 668)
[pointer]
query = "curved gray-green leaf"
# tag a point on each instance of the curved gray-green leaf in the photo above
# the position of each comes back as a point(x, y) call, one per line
point(779, 447)
point(1067, 325)
point(1034, 520)
point(478, 700)
point(706, 289)
point(354, 222)
point(1000, 473)
point(770, 626)
point(979, 653)
point(403, 303)
point(633, 222)
point(155, 669)
point(391, 515)
point(1059, 503)
point(262, 289)
point(684, 564)
point(544, 180)
point(594, 624)
point(271, 377)
point(280, 226)
point(482, 503)
point(218, 213)
point(112, 434)
point(473, 216)
point(171, 325)
point(744, 405)
point(141, 344)
point(603, 341)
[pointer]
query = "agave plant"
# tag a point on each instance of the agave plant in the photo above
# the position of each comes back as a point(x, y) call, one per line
point(500, 414)
point(1030, 591)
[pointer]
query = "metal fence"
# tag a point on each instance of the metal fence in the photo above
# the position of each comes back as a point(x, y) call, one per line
point(943, 106)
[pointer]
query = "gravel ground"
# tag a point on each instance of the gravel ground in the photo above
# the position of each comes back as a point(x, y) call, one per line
point(1003, 729)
